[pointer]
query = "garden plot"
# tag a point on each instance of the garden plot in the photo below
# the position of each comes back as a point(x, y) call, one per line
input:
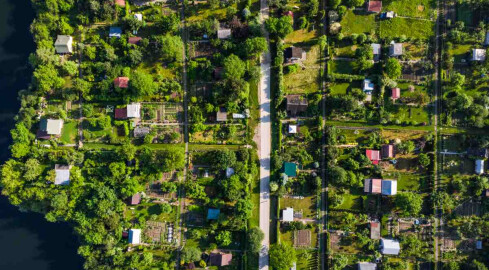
point(220, 134)
point(303, 77)
point(69, 132)
point(161, 113)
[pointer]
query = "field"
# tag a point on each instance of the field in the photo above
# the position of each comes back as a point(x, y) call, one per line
point(353, 23)
point(341, 66)
point(411, 28)
point(69, 132)
point(411, 8)
point(306, 78)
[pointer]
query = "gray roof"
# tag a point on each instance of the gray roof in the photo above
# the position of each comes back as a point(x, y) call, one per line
point(134, 110)
point(375, 48)
point(389, 247)
point(63, 44)
point(486, 41)
point(223, 33)
point(140, 131)
point(395, 49)
point(62, 174)
point(367, 266)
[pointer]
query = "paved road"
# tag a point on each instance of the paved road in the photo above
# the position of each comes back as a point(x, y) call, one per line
point(265, 145)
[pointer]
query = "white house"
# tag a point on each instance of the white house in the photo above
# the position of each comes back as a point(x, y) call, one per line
point(389, 247)
point(135, 236)
point(389, 187)
point(479, 166)
point(478, 55)
point(64, 44)
point(134, 110)
point(288, 214)
point(62, 174)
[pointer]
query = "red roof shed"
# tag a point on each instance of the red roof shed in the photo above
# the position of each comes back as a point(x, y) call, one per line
point(121, 3)
point(121, 113)
point(373, 155)
point(134, 40)
point(374, 6)
point(121, 82)
point(396, 93)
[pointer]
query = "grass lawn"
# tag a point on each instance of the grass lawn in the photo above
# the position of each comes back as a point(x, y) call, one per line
point(300, 36)
point(307, 205)
point(306, 79)
point(408, 27)
point(346, 51)
point(147, 210)
point(352, 202)
point(201, 12)
point(453, 164)
point(69, 132)
point(410, 8)
point(459, 52)
point(464, 13)
point(341, 66)
point(357, 23)
point(340, 88)
point(354, 136)
point(408, 113)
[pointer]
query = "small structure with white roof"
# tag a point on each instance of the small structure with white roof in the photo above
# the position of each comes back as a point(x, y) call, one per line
point(288, 214)
point(134, 110)
point(389, 247)
point(138, 16)
point(367, 266)
point(135, 236)
point(478, 55)
point(64, 44)
point(62, 174)
point(224, 33)
point(292, 129)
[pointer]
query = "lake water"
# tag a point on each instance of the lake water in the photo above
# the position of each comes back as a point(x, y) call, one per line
point(27, 240)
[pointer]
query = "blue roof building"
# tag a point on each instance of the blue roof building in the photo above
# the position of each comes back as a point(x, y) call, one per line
point(115, 32)
point(389, 187)
point(290, 169)
point(213, 213)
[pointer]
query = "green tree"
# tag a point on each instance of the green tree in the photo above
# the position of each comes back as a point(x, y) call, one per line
point(280, 26)
point(452, 265)
point(142, 84)
point(255, 237)
point(256, 46)
point(282, 256)
point(476, 265)
point(32, 169)
point(393, 68)
point(234, 67)
point(170, 47)
point(222, 159)
point(224, 238)
point(409, 203)
point(190, 254)
point(46, 78)
point(340, 261)
point(424, 160)
point(406, 147)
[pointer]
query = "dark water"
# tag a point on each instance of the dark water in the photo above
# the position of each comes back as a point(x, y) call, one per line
point(27, 240)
